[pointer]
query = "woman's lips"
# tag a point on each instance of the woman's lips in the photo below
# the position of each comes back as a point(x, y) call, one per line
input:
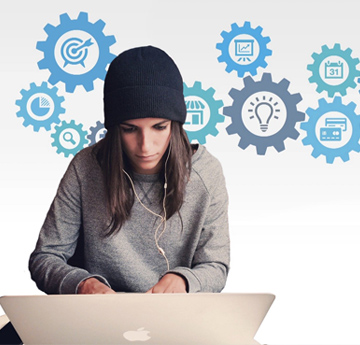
point(146, 158)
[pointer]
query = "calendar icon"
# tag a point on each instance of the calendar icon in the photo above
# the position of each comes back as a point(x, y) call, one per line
point(334, 70)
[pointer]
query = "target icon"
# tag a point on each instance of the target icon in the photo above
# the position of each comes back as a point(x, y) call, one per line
point(74, 51)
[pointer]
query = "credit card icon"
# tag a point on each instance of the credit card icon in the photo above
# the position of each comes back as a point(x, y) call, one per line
point(330, 134)
point(336, 122)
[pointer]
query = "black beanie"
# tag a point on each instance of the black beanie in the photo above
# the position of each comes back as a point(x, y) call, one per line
point(143, 82)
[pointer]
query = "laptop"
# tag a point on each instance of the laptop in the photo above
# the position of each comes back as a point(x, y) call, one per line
point(134, 318)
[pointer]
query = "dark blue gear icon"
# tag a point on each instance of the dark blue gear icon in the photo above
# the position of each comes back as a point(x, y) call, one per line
point(247, 30)
point(310, 125)
point(37, 110)
point(292, 117)
point(94, 131)
point(208, 97)
point(349, 82)
point(48, 47)
point(66, 129)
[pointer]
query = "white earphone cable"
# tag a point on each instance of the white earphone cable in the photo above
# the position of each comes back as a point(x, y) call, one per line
point(163, 218)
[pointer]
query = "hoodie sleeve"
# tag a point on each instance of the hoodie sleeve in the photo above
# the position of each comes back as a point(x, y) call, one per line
point(58, 239)
point(211, 260)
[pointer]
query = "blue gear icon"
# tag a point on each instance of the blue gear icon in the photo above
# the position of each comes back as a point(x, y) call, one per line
point(215, 117)
point(69, 128)
point(48, 47)
point(94, 131)
point(247, 30)
point(315, 69)
point(36, 109)
point(235, 112)
point(310, 125)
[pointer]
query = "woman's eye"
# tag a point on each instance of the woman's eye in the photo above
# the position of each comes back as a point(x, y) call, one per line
point(128, 129)
point(160, 127)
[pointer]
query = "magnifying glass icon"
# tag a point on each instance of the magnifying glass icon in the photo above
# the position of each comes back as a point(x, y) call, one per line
point(68, 136)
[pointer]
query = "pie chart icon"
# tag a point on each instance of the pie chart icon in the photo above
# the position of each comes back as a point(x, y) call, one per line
point(40, 106)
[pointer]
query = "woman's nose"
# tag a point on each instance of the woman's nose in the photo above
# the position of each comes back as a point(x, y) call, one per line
point(145, 141)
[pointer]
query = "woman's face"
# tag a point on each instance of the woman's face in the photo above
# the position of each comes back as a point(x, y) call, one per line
point(145, 142)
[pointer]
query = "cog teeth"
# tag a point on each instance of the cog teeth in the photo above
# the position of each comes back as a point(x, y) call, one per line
point(315, 153)
point(197, 85)
point(294, 134)
point(227, 111)
point(64, 17)
point(224, 35)
point(234, 93)
point(243, 144)
point(110, 40)
point(249, 81)
point(279, 147)
point(297, 98)
point(330, 159)
point(284, 84)
point(83, 16)
point(322, 103)
point(306, 141)
point(266, 78)
point(235, 27)
point(300, 116)
point(49, 29)
point(231, 129)
point(261, 150)
point(100, 24)
point(211, 92)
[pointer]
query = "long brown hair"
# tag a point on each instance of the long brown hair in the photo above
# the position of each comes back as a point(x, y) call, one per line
point(119, 194)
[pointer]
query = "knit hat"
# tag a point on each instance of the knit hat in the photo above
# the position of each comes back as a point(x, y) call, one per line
point(143, 82)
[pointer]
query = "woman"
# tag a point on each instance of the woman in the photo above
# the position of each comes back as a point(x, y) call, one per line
point(149, 209)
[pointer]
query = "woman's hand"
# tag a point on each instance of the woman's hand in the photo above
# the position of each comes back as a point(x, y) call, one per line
point(94, 286)
point(169, 283)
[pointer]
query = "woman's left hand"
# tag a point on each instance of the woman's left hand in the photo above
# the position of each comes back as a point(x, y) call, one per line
point(169, 283)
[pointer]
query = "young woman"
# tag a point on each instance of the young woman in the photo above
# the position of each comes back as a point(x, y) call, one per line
point(148, 210)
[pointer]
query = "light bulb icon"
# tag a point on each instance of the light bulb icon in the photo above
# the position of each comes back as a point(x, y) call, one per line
point(264, 110)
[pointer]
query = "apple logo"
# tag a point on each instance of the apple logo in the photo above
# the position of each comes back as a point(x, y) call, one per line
point(141, 334)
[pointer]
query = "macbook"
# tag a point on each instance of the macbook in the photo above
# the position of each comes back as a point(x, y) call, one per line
point(133, 318)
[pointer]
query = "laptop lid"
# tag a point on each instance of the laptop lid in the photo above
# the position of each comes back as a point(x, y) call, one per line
point(132, 318)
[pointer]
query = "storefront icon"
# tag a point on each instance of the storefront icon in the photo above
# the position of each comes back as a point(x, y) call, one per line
point(195, 112)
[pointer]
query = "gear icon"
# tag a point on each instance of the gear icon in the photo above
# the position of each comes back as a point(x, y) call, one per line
point(250, 66)
point(62, 51)
point(40, 106)
point(337, 82)
point(96, 133)
point(259, 98)
point(69, 138)
point(348, 112)
point(202, 112)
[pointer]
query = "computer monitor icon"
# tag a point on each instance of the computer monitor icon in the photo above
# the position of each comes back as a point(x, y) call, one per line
point(244, 49)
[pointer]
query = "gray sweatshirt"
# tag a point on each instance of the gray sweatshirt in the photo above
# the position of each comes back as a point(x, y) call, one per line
point(129, 261)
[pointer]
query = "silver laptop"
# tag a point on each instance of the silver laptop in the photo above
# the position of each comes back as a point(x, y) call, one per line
point(132, 318)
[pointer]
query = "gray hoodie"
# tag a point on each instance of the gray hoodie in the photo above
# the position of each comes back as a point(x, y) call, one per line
point(129, 261)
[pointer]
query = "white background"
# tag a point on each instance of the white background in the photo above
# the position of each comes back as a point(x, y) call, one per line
point(293, 218)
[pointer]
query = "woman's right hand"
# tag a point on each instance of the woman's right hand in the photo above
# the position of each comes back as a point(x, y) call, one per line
point(93, 286)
